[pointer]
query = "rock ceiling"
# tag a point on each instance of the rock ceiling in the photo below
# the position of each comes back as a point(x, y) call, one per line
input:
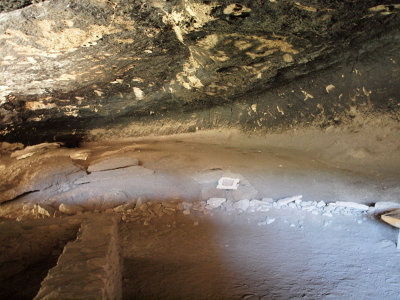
point(71, 67)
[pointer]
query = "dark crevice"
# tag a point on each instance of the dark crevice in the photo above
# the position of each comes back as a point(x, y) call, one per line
point(83, 182)
point(19, 196)
point(10, 5)
point(111, 169)
point(21, 278)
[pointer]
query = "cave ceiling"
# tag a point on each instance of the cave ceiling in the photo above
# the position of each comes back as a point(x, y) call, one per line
point(73, 66)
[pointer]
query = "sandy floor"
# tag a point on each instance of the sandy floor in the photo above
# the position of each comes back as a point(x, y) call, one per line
point(299, 255)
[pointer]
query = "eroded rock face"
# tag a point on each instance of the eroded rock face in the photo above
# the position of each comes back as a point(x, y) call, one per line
point(17, 180)
point(74, 68)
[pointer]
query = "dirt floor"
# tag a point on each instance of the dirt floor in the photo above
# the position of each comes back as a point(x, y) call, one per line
point(298, 256)
point(177, 245)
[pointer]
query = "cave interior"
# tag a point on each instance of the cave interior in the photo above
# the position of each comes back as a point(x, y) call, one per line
point(192, 149)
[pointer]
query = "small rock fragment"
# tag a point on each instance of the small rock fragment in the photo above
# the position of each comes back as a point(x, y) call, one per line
point(385, 206)
point(169, 210)
point(124, 207)
point(287, 58)
point(242, 205)
point(25, 155)
point(43, 210)
point(287, 200)
point(330, 207)
point(80, 155)
point(352, 205)
point(270, 220)
point(158, 209)
point(329, 88)
point(309, 207)
point(306, 204)
point(70, 209)
point(267, 221)
point(169, 204)
point(139, 202)
point(215, 202)
point(267, 200)
point(257, 205)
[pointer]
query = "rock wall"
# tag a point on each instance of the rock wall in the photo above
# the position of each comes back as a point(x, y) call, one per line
point(27, 250)
point(79, 69)
point(89, 267)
